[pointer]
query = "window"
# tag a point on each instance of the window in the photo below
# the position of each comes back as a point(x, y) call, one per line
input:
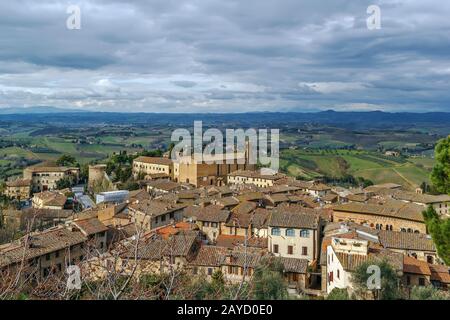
point(305, 251)
point(421, 281)
point(290, 250)
point(290, 232)
point(430, 259)
point(210, 271)
point(275, 248)
point(47, 256)
point(338, 274)
point(214, 224)
point(304, 233)
point(276, 232)
point(57, 254)
point(408, 280)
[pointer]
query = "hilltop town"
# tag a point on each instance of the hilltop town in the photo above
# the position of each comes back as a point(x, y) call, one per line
point(218, 224)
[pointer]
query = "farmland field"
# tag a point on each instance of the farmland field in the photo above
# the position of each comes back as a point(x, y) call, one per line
point(409, 172)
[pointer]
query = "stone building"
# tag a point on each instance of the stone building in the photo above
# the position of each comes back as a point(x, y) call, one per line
point(44, 178)
point(393, 216)
point(19, 189)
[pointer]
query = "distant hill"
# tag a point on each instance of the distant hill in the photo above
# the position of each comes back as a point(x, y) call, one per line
point(370, 119)
point(38, 109)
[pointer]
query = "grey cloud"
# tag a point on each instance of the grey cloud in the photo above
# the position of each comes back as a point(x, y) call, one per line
point(215, 55)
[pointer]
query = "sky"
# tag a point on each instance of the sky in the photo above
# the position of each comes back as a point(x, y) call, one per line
point(226, 55)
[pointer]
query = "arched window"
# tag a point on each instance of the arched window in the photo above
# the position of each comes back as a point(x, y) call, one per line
point(290, 232)
point(304, 233)
point(410, 230)
point(276, 231)
point(377, 227)
point(403, 230)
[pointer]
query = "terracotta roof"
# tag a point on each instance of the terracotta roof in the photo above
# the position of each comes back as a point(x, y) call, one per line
point(251, 196)
point(154, 160)
point(191, 211)
point(241, 257)
point(227, 201)
point(139, 194)
point(260, 218)
point(439, 273)
point(39, 168)
point(277, 198)
point(352, 261)
point(40, 213)
point(280, 189)
point(357, 197)
point(165, 185)
point(156, 247)
point(51, 198)
point(293, 220)
point(396, 209)
point(231, 241)
point(411, 265)
point(174, 229)
point(155, 207)
point(90, 226)
point(406, 240)
point(19, 183)
point(294, 264)
point(39, 244)
point(245, 207)
point(211, 256)
point(213, 213)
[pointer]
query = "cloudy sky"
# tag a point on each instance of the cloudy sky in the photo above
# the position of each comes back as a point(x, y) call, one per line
point(226, 55)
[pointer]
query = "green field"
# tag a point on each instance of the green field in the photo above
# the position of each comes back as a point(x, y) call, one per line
point(409, 172)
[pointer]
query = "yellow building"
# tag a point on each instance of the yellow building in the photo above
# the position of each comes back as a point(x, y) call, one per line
point(19, 189)
point(152, 165)
point(44, 178)
point(49, 200)
point(393, 216)
point(209, 171)
point(254, 177)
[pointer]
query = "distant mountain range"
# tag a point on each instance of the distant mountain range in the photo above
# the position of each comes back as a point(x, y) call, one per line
point(38, 109)
point(357, 119)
